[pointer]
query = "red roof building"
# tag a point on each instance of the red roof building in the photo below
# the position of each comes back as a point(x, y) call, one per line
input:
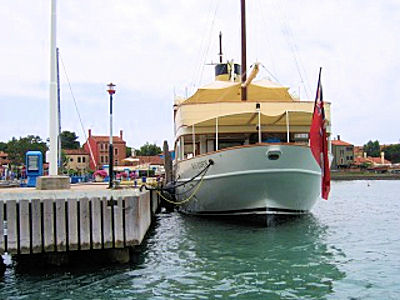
point(98, 146)
point(343, 154)
point(4, 158)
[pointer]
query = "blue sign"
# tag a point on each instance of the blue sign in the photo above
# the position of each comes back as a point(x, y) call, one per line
point(34, 166)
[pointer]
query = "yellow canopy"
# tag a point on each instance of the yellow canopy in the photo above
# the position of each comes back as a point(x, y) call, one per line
point(250, 118)
point(261, 90)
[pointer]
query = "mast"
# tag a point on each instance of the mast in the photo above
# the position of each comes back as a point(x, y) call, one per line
point(53, 170)
point(243, 14)
point(220, 47)
point(58, 109)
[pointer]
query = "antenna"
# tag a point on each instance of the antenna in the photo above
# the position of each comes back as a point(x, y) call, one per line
point(243, 29)
point(220, 47)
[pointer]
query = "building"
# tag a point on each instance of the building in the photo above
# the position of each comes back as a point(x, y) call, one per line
point(77, 160)
point(97, 146)
point(4, 158)
point(343, 154)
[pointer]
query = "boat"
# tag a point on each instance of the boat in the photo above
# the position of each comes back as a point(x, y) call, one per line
point(242, 146)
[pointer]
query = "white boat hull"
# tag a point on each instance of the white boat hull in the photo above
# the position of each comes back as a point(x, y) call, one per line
point(245, 181)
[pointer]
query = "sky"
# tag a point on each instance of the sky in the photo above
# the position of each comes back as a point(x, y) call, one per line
point(156, 50)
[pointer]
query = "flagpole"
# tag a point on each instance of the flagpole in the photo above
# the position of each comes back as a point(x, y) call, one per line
point(53, 124)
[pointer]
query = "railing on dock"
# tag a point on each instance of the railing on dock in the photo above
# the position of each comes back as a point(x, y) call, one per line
point(60, 225)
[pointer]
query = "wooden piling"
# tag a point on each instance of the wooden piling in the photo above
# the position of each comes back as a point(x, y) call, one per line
point(62, 225)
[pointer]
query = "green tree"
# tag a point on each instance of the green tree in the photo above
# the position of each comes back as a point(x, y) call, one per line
point(128, 151)
point(392, 153)
point(17, 149)
point(372, 149)
point(3, 146)
point(69, 140)
point(149, 150)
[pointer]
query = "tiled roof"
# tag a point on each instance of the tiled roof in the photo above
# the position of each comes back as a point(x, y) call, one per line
point(75, 152)
point(104, 138)
point(340, 143)
point(371, 160)
point(153, 160)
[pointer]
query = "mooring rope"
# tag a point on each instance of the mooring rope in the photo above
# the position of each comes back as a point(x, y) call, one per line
point(159, 190)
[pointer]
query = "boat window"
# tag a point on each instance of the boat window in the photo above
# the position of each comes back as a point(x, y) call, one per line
point(273, 155)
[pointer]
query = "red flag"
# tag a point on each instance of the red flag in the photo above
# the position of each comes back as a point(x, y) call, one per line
point(319, 140)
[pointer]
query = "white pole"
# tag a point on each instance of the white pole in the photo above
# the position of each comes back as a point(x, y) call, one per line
point(193, 141)
point(53, 155)
point(259, 126)
point(216, 134)
point(287, 127)
point(182, 147)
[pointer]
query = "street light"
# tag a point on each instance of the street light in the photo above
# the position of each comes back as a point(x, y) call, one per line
point(111, 91)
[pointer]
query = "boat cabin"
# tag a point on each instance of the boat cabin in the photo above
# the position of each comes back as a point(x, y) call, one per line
point(215, 117)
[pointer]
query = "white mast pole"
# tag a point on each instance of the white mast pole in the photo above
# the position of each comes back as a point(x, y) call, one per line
point(259, 126)
point(193, 141)
point(53, 125)
point(287, 127)
point(216, 133)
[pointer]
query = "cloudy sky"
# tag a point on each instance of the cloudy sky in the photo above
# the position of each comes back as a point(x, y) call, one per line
point(155, 49)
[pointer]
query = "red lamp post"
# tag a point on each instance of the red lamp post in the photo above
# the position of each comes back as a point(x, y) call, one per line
point(111, 91)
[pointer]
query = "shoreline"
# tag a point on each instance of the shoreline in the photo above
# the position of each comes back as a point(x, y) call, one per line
point(363, 176)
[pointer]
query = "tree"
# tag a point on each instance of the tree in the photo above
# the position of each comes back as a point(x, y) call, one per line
point(149, 150)
point(392, 153)
point(69, 140)
point(17, 149)
point(128, 151)
point(3, 146)
point(372, 149)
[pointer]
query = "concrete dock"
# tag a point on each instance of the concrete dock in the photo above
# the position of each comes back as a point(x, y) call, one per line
point(86, 217)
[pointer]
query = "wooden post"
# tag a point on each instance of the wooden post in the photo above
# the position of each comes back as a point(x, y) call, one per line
point(131, 208)
point(73, 236)
point(24, 227)
point(167, 163)
point(96, 223)
point(12, 237)
point(118, 224)
point(84, 222)
point(48, 225)
point(36, 226)
point(107, 224)
point(2, 241)
point(61, 234)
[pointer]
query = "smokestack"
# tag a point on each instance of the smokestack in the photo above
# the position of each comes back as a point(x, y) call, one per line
point(90, 132)
point(338, 137)
point(120, 134)
point(382, 158)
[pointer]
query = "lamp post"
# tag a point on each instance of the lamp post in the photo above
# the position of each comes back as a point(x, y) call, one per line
point(111, 91)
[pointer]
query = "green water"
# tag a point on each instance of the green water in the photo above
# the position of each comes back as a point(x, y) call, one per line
point(349, 248)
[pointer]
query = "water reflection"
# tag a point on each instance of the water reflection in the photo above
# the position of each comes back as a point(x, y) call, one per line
point(196, 258)
point(201, 257)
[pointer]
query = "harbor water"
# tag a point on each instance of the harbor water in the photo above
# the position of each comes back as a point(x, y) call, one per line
point(348, 248)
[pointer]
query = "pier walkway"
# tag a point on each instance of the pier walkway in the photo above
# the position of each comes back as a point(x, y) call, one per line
point(85, 217)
